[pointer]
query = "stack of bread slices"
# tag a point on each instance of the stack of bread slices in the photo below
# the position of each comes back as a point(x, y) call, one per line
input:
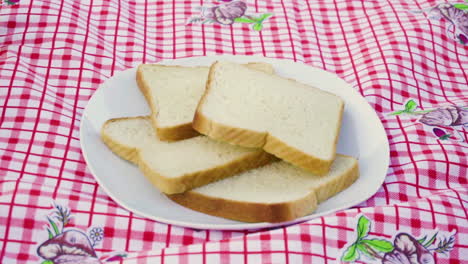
point(235, 141)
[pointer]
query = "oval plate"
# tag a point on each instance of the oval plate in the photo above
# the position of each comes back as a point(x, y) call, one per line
point(362, 135)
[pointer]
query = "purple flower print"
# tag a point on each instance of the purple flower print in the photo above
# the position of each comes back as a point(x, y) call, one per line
point(455, 14)
point(445, 116)
point(396, 257)
point(442, 118)
point(225, 13)
point(208, 13)
point(71, 246)
point(228, 12)
point(72, 242)
point(438, 117)
point(462, 117)
point(66, 246)
point(405, 249)
point(463, 39)
point(441, 134)
point(408, 251)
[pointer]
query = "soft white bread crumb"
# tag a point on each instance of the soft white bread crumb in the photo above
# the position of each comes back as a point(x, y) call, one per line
point(177, 166)
point(173, 93)
point(298, 123)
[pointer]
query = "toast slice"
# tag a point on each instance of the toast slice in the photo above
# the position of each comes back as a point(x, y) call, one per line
point(173, 92)
point(295, 122)
point(175, 167)
point(277, 192)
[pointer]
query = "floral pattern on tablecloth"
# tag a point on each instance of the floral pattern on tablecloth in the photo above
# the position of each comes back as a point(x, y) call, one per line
point(456, 14)
point(405, 249)
point(442, 119)
point(67, 245)
point(228, 12)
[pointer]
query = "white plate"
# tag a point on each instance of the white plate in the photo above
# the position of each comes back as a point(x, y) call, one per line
point(362, 136)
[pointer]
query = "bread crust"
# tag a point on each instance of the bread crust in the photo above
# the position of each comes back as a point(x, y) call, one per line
point(250, 138)
point(175, 133)
point(247, 211)
point(171, 185)
point(326, 191)
point(266, 212)
point(181, 131)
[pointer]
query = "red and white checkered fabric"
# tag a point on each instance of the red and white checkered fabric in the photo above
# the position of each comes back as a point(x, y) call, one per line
point(54, 54)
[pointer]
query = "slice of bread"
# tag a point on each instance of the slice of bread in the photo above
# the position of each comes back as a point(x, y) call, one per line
point(173, 92)
point(295, 122)
point(277, 192)
point(175, 167)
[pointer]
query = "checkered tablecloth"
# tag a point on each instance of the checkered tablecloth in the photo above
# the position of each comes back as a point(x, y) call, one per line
point(408, 59)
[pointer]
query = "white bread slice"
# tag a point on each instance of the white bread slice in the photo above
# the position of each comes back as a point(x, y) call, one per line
point(173, 92)
point(277, 192)
point(295, 122)
point(175, 167)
